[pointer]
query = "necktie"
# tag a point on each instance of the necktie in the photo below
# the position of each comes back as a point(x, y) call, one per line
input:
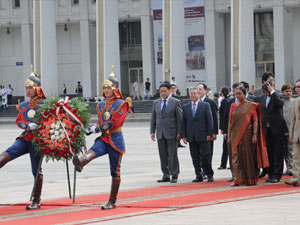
point(194, 110)
point(164, 107)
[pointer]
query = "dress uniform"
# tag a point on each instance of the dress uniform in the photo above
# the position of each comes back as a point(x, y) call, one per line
point(111, 116)
point(23, 143)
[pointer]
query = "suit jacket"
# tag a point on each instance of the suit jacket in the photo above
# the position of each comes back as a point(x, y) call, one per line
point(222, 113)
point(198, 128)
point(167, 125)
point(214, 111)
point(295, 122)
point(272, 114)
point(226, 114)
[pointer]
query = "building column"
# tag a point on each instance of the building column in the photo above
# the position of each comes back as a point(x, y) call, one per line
point(26, 32)
point(85, 49)
point(147, 44)
point(108, 46)
point(45, 48)
point(214, 47)
point(174, 43)
point(242, 41)
point(282, 44)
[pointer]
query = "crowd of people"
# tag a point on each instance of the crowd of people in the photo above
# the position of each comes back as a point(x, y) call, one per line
point(259, 128)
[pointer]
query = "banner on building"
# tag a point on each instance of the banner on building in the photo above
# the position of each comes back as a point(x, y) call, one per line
point(195, 45)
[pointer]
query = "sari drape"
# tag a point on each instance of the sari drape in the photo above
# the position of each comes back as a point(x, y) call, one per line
point(247, 157)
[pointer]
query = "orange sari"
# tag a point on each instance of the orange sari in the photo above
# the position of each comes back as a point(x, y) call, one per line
point(247, 157)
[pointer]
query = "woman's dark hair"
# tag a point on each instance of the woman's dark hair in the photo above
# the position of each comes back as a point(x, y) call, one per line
point(166, 85)
point(225, 91)
point(242, 88)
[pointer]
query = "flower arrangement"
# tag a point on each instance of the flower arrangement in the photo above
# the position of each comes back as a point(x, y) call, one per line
point(61, 128)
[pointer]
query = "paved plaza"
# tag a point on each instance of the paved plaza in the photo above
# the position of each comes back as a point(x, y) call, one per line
point(140, 170)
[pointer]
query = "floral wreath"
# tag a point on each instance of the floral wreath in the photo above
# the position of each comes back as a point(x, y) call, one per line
point(61, 128)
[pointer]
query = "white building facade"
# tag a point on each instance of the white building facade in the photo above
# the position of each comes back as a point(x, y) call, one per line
point(268, 42)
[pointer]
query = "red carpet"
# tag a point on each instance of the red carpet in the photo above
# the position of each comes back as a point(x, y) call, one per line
point(140, 202)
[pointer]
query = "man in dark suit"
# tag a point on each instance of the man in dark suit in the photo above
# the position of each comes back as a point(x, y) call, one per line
point(225, 126)
point(274, 127)
point(214, 110)
point(197, 129)
point(165, 122)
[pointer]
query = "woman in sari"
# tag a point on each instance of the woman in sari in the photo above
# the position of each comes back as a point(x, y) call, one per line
point(246, 135)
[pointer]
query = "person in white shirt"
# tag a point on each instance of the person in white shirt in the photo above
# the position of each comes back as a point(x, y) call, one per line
point(136, 90)
point(4, 98)
point(9, 94)
point(173, 81)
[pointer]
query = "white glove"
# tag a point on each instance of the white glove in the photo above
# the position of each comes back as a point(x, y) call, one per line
point(93, 129)
point(32, 126)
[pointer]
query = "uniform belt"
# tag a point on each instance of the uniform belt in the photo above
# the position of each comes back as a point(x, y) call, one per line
point(115, 130)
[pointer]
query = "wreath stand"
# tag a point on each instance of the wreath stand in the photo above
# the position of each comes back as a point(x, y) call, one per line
point(68, 177)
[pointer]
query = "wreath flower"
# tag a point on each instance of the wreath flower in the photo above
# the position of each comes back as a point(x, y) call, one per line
point(61, 128)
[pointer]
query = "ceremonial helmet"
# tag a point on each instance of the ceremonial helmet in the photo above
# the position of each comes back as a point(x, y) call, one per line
point(112, 81)
point(35, 82)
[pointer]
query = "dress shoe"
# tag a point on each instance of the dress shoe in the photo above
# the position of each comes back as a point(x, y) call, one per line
point(204, 177)
point(164, 179)
point(262, 174)
point(221, 168)
point(198, 179)
point(274, 180)
point(210, 179)
point(174, 179)
point(268, 180)
point(294, 183)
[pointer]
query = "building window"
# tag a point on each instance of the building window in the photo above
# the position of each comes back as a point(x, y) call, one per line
point(264, 44)
point(130, 34)
point(16, 4)
point(75, 2)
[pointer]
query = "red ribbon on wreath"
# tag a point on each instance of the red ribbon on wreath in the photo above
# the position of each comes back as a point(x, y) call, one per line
point(62, 105)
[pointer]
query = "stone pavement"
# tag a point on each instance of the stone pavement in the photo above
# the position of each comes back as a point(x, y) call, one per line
point(141, 169)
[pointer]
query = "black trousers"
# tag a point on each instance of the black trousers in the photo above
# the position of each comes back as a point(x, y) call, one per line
point(275, 148)
point(201, 157)
point(9, 99)
point(224, 154)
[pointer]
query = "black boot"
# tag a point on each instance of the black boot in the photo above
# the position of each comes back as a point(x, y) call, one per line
point(4, 158)
point(35, 204)
point(113, 194)
point(85, 159)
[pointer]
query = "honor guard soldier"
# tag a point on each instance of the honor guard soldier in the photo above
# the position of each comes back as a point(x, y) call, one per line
point(111, 114)
point(23, 143)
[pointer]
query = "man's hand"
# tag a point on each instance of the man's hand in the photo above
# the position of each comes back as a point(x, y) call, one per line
point(93, 129)
point(184, 140)
point(32, 126)
point(291, 139)
point(153, 137)
point(88, 131)
point(178, 137)
point(214, 137)
point(270, 87)
point(208, 138)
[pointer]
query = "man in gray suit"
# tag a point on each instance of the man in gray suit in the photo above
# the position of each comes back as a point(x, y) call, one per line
point(166, 120)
